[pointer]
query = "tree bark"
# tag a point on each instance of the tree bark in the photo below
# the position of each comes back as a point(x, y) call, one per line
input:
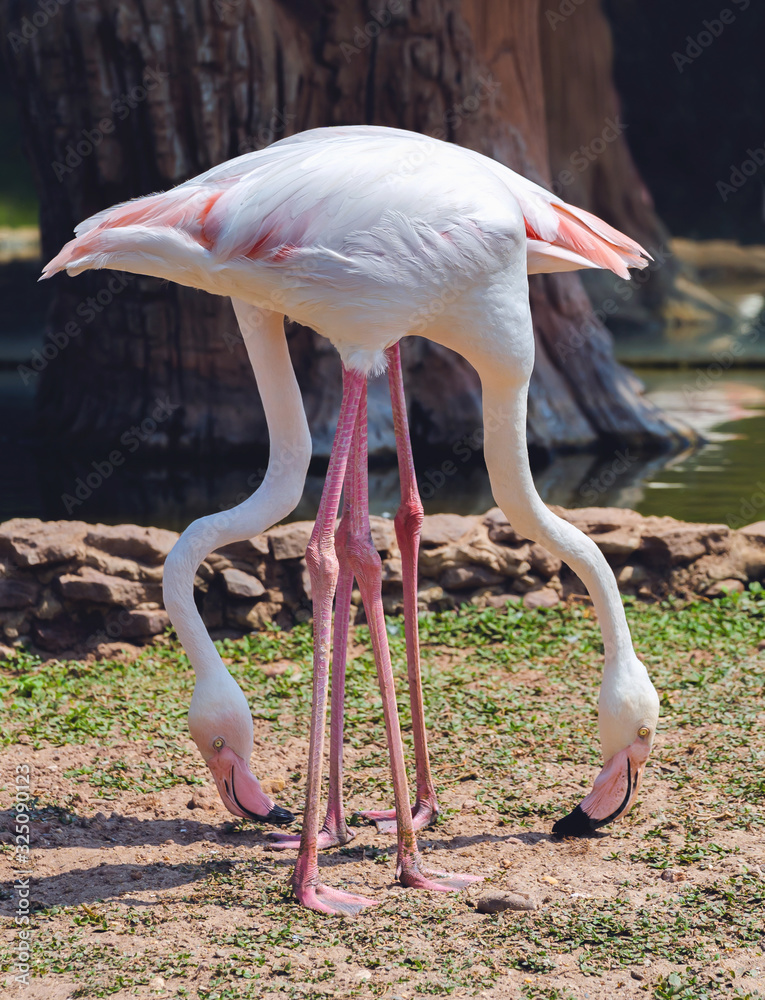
point(590, 161)
point(123, 97)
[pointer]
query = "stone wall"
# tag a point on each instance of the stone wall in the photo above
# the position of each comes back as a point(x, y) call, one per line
point(67, 587)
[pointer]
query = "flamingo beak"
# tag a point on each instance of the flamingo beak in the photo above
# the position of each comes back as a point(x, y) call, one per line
point(612, 795)
point(240, 790)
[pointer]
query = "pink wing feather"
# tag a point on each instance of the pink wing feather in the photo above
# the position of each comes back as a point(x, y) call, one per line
point(280, 206)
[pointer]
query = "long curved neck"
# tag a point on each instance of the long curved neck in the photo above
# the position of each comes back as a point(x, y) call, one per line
point(276, 497)
point(507, 460)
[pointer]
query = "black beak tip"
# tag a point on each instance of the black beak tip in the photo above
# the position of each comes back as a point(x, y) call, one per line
point(279, 816)
point(576, 824)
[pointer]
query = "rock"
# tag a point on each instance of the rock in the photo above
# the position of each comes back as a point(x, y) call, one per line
point(724, 587)
point(391, 571)
point(289, 541)
point(205, 799)
point(708, 570)
point(468, 577)
point(432, 597)
point(748, 550)
point(392, 604)
point(56, 635)
point(501, 601)
point(14, 623)
point(383, 534)
point(754, 531)
point(271, 786)
point(130, 541)
point(247, 550)
point(542, 561)
point(49, 606)
point(32, 542)
point(441, 529)
point(500, 529)
point(18, 593)
point(682, 543)
point(544, 597)
point(137, 624)
point(476, 549)
point(668, 875)
point(630, 574)
point(92, 586)
point(119, 566)
point(252, 618)
point(496, 902)
point(70, 583)
point(239, 584)
point(621, 542)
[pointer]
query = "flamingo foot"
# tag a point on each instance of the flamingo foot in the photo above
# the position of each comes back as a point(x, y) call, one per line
point(328, 837)
point(314, 895)
point(335, 902)
point(424, 814)
point(414, 874)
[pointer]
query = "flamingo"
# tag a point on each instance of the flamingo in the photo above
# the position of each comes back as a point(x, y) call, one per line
point(368, 234)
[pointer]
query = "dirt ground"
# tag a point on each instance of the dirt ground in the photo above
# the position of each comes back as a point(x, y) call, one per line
point(152, 854)
point(144, 886)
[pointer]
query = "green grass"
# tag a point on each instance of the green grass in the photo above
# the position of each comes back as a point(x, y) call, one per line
point(701, 657)
point(504, 692)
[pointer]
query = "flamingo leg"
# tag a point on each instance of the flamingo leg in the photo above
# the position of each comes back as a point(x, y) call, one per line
point(367, 568)
point(323, 570)
point(408, 524)
point(334, 831)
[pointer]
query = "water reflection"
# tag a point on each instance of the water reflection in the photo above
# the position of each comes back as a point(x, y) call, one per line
point(722, 480)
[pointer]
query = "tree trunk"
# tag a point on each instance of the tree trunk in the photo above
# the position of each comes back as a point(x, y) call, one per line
point(590, 161)
point(123, 97)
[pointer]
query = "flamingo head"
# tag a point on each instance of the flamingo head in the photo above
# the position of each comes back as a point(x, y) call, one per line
point(221, 726)
point(628, 714)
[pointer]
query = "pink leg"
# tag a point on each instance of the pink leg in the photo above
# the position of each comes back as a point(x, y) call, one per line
point(408, 524)
point(334, 831)
point(323, 569)
point(367, 569)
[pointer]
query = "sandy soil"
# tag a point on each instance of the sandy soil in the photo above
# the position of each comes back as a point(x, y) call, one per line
point(151, 854)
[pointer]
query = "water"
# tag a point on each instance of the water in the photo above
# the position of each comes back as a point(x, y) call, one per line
point(721, 480)
point(724, 479)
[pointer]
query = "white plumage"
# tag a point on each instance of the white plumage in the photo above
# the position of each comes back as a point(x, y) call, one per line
point(369, 234)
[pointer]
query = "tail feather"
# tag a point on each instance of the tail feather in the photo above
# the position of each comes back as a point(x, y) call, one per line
point(162, 252)
point(172, 222)
point(589, 236)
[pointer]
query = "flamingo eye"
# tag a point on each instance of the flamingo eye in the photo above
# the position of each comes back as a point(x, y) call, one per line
point(644, 731)
point(219, 743)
